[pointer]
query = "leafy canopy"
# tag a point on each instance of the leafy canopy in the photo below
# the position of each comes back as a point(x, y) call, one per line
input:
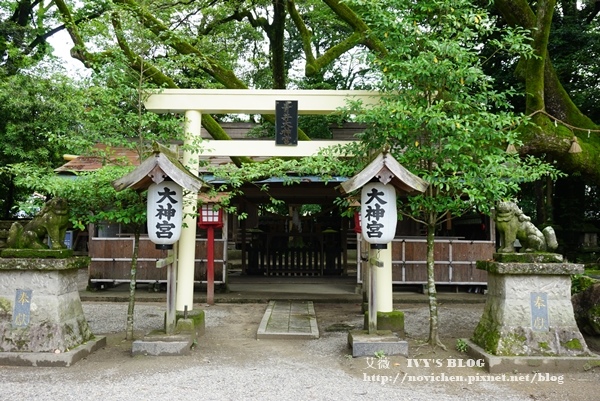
point(91, 197)
point(440, 116)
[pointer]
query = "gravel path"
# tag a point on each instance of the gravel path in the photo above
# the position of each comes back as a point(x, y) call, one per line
point(230, 364)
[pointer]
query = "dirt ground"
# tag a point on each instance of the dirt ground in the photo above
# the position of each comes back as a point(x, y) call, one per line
point(230, 339)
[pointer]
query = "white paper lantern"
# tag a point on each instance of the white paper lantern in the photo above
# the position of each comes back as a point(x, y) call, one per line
point(378, 213)
point(165, 213)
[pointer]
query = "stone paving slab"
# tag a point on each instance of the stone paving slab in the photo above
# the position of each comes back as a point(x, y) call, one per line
point(288, 319)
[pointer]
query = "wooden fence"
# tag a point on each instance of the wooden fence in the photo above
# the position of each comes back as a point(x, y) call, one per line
point(111, 260)
point(455, 261)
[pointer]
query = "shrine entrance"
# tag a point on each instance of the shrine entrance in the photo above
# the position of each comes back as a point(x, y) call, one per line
point(305, 235)
point(291, 241)
point(270, 242)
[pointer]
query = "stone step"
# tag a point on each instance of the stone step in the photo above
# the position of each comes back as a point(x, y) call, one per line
point(289, 319)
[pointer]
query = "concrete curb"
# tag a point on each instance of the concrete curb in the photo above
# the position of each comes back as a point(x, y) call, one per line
point(532, 364)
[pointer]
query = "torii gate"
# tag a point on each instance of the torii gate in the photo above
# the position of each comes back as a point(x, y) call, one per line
point(194, 102)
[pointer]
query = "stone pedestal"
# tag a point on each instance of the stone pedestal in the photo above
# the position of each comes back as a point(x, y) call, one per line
point(180, 342)
point(365, 344)
point(40, 309)
point(528, 311)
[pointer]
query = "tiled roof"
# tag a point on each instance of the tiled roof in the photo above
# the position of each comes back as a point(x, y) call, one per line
point(106, 155)
point(121, 155)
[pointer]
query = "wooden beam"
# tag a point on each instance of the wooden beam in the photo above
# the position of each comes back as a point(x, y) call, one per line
point(263, 148)
point(249, 101)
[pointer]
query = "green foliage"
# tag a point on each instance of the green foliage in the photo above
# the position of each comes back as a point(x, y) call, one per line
point(440, 116)
point(91, 196)
point(380, 354)
point(40, 120)
point(574, 42)
point(93, 199)
point(461, 345)
point(17, 35)
point(581, 282)
point(44, 115)
point(114, 112)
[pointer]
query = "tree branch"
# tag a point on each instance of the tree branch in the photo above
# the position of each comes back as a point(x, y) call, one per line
point(79, 51)
point(350, 17)
point(210, 66)
point(162, 80)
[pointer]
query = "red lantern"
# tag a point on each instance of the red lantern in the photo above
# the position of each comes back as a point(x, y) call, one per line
point(209, 217)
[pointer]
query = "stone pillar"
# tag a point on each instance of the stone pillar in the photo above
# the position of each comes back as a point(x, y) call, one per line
point(384, 301)
point(187, 241)
point(528, 311)
point(40, 308)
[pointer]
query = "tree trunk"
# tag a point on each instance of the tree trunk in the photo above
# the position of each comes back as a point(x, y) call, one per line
point(557, 117)
point(276, 35)
point(132, 284)
point(434, 338)
point(9, 197)
point(534, 75)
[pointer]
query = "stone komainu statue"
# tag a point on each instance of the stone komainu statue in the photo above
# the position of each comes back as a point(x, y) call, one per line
point(513, 224)
point(53, 220)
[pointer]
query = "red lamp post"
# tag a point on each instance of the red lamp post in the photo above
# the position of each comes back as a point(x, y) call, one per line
point(209, 219)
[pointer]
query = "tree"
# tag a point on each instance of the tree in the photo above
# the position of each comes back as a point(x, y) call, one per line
point(440, 116)
point(41, 119)
point(563, 85)
point(22, 43)
point(257, 44)
point(91, 196)
point(94, 199)
point(557, 117)
point(110, 112)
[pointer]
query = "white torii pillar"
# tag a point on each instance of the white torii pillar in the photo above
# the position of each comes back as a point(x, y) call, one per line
point(187, 241)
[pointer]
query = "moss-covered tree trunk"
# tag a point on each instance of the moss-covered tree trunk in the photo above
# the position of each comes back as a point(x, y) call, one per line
point(276, 38)
point(557, 118)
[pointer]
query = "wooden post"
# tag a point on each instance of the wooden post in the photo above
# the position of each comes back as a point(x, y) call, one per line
point(170, 262)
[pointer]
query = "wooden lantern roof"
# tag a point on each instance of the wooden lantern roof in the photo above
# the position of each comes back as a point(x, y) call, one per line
point(386, 169)
point(161, 164)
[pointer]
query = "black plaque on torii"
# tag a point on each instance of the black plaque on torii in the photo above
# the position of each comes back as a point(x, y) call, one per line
point(286, 122)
